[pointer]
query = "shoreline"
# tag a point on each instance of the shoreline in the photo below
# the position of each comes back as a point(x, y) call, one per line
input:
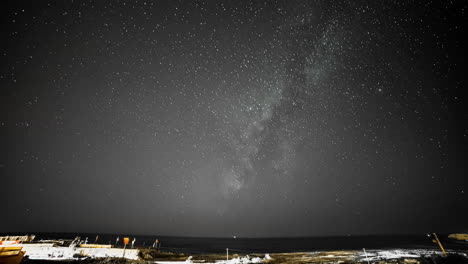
point(415, 256)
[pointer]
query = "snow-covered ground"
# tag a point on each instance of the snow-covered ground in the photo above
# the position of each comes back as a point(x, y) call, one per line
point(51, 252)
point(358, 256)
point(239, 260)
point(374, 255)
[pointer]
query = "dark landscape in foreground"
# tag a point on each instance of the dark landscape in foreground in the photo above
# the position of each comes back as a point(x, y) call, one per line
point(407, 249)
point(343, 257)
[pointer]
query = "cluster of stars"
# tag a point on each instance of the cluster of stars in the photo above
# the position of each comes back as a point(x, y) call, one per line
point(220, 109)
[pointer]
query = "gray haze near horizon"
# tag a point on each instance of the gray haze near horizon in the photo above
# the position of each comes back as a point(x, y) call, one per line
point(219, 118)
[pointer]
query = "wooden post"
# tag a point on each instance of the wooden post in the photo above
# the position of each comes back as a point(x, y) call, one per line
point(440, 244)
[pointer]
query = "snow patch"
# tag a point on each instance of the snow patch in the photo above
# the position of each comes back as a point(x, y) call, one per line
point(373, 255)
point(238, 260)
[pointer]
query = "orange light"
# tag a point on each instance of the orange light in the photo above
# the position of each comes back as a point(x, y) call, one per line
point(126, 240)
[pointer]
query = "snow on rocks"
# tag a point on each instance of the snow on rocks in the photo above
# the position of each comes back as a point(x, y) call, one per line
point(238, 260)
point(373, 255)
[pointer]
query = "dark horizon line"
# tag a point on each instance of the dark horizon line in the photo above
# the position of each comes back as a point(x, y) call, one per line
point(226, 237)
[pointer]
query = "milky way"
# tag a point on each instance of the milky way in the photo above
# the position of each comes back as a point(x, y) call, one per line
point(221, 118)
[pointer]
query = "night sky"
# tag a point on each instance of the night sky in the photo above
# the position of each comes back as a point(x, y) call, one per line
point(247, 118)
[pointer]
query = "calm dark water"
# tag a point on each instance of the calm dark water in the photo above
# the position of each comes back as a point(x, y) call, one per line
point(267, 245)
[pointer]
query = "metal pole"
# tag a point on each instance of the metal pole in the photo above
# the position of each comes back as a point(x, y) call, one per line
point(227, 254)
point(123, 256)
point(440, 244)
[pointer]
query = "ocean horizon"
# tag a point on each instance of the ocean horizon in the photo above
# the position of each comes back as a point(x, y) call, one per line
point(260, 244)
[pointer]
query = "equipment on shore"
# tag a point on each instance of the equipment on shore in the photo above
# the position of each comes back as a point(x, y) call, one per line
point(126, 240)
point(155, 244)
point(11, 255)
point(436, 240)
point(365, 254)
point(12, 251)
point(461, 237)
point(26, 238)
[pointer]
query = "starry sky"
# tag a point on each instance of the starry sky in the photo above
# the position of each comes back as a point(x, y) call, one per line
point(221, 118)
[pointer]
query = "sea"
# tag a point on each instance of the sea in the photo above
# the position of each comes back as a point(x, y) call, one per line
point(244, 245)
